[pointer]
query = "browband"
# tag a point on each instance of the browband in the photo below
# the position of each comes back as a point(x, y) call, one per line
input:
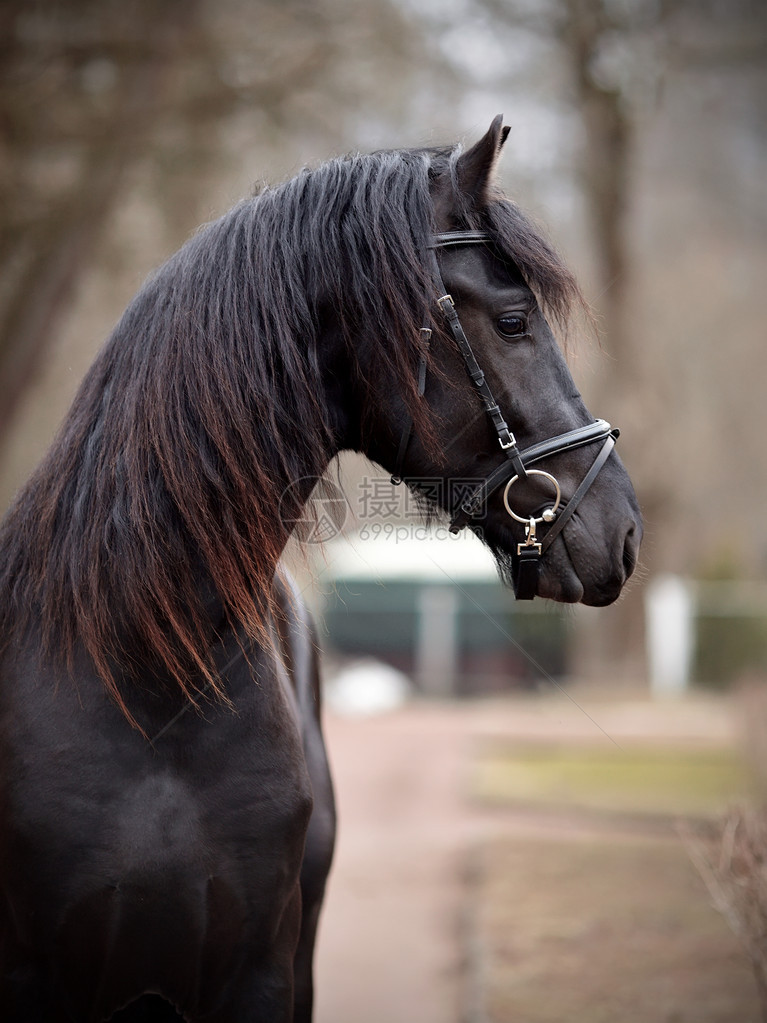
point(447, 238)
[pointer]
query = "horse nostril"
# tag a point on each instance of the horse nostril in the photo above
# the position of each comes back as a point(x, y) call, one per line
point(630, 551)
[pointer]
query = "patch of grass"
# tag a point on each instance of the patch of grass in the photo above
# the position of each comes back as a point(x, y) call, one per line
point(668, 782)
point(601, 931)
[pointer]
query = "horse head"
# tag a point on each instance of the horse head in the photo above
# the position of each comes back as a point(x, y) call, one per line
point(521, 460)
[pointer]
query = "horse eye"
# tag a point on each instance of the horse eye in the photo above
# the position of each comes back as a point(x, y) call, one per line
point(512, 326)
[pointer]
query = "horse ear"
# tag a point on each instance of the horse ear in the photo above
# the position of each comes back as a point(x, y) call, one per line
point(476, 166)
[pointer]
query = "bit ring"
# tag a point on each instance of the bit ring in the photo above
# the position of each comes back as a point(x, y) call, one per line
point(549, 513)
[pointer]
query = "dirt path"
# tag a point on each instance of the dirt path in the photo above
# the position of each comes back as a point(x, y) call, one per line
point(389, 944)
point(390, 947)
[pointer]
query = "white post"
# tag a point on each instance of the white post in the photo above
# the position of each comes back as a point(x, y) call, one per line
point(436, 650)
point(670, 635)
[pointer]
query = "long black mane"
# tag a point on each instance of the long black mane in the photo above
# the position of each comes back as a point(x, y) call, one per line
point(163, 483)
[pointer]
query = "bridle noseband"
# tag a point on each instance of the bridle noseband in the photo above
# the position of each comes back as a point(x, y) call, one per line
point(518, 464)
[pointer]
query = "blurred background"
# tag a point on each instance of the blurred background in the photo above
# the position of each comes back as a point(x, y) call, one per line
point(638, 142)
point(639, 132)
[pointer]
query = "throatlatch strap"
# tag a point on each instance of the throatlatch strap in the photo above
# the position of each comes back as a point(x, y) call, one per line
point(408, 430)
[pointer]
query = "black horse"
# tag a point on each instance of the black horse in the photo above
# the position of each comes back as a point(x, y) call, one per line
point(166, 813)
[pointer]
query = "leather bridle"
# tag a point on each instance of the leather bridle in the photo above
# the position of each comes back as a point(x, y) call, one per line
point(519, 463)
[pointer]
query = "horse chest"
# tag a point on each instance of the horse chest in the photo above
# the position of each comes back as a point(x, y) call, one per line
point(98, 821)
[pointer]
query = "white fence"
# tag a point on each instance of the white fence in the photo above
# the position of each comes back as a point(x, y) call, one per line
point(673, 606)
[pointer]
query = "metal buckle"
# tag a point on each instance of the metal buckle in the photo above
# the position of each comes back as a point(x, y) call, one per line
point(511, 442)
point(546, 516)
point(531, 543)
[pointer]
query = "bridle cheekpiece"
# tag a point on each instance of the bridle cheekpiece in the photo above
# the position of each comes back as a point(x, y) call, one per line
point(518, 463)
